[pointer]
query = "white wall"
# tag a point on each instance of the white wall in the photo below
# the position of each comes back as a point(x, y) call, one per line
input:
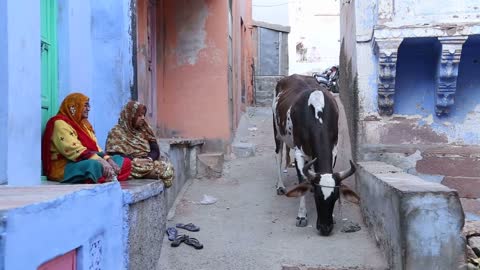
point(317, 27)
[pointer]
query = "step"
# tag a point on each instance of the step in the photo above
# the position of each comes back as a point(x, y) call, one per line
point(243, 150)
point(210, 165)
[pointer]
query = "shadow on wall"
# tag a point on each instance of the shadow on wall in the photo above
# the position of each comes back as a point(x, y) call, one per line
point(468, 82)
point(416, 76)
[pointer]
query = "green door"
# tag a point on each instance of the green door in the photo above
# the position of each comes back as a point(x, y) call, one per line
point(48, 46)
point(49, 59)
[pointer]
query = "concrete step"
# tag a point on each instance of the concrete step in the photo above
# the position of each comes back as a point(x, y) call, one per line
point(210, 165)
point(243, 150)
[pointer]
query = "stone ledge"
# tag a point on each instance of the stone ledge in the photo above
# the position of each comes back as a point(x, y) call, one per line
point(18, 197)
point(183, 141)
point(141, 189)
point(418, 224)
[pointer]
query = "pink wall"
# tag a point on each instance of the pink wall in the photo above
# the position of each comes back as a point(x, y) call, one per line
point(192, 66)
point(193, 100)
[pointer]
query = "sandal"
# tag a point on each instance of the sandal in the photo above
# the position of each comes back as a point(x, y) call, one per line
point(172, 233)
point(193, 242)
point(189, 227)
point(179, 240)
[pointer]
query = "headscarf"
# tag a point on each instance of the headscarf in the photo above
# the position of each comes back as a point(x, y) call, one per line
point(125, 138)
point(70, 111)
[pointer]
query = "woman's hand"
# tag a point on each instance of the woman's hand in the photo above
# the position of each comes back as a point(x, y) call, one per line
point(114, 165)
point(108, 171)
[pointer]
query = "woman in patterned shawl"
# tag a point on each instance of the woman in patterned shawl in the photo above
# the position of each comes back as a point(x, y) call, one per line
point(133, 137)
point(70, 152)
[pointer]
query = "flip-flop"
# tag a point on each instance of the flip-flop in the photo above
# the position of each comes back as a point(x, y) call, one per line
point(178, 240)
point(189, 227)
point(193, 242)
point(172, 233)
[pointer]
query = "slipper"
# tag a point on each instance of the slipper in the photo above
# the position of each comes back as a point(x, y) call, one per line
point(193, 242)
point(189, 227)
point(178, 240)
point(172, 233)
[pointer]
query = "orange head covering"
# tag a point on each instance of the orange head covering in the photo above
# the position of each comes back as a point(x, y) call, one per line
point(73, 107)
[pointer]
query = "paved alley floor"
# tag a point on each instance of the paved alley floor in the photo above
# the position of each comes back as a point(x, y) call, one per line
point(250, 227)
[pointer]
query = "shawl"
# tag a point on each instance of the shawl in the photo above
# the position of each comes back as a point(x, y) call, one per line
point(124, 138)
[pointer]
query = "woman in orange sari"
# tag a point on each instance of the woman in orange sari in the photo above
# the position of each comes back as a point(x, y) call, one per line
point(70, 152)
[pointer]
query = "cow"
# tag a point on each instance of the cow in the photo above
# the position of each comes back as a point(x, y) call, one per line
point(305, 119)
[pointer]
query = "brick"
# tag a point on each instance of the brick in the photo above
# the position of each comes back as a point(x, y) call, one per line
point(467, 187)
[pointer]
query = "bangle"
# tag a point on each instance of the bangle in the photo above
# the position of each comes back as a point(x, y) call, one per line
point(106, 157)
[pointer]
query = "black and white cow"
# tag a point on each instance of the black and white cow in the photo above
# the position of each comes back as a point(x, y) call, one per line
point(305, 118)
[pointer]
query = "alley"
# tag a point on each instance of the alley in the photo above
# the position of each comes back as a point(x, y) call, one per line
point(250, 227)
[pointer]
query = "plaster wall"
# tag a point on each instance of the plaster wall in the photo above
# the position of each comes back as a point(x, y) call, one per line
point(95, 57)
point(47, 221)
point(418, 224)
point(410, 12)
point(20, 68)
point(4, 90)
point(414, 120)
point(193, 101)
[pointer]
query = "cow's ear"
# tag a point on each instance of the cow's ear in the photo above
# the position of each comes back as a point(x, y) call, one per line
point(299, 190)
point(349, 195)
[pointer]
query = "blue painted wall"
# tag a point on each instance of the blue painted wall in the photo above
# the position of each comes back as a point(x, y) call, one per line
point(95, 58)
point(112, 63)
point(417, 80)
point(416, 76)
point(39, 232)
point(20, 147)
point(3, 90)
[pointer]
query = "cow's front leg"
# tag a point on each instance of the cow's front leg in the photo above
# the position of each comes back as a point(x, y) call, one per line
point(280, 186)
point(302, 220)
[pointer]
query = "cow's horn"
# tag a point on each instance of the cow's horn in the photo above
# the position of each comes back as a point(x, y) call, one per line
point(306, 171)
point(339, 176)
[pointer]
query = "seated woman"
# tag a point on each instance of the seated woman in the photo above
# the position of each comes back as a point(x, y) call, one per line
point(70, 153)
point(134, 138)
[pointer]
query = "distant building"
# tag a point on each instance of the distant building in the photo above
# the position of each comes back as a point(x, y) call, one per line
point(314, 35)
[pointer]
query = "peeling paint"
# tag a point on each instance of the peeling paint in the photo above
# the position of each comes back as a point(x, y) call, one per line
point(191, 37)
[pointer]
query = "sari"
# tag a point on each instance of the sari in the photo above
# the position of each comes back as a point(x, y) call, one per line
point(70, 151)
point(140, 144)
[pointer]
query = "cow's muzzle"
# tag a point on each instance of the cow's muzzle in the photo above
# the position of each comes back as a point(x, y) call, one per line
point(325, 229)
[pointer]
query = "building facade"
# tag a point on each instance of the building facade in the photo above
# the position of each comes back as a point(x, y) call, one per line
point(409, 80)
point(194, 67)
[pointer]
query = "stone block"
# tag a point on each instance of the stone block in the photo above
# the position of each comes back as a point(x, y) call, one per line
point(210, 165)
point(243, 150)
point(145, 222)
point(467, 187)
point(404, 213)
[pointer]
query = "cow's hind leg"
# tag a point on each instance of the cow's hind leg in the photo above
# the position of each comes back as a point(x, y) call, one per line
point(302, 219)
point(280, 186)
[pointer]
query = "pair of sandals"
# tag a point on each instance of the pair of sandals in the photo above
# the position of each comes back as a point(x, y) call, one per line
point(178, 239)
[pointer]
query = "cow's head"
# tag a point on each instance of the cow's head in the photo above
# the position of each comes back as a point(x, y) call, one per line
point(325, 189)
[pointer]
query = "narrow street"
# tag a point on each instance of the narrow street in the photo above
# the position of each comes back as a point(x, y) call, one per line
point(250, 227)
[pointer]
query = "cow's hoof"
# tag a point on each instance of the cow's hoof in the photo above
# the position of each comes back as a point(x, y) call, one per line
point(281, 191)
point(301, 222)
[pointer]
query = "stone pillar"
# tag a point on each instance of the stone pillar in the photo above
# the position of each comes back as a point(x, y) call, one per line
point(387, 65)
point(448, 73)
